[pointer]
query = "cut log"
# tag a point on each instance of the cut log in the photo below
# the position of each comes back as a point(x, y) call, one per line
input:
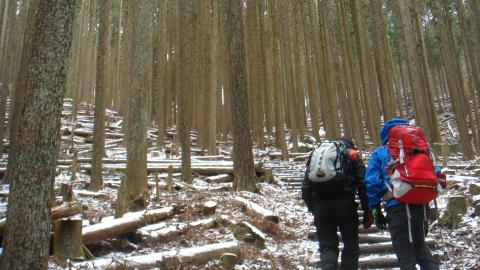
point(217, 157)
point(221, 178)
point(385, 262)
point(128, 223)
point(96, 195)
point(254, 209)
point(89, 133)
point(250, 234)
point(363, 238)
point(386, 247)
point(166, 233)
point(194, 255)
point(208, 169)
point(66, 210)
point(301, 158)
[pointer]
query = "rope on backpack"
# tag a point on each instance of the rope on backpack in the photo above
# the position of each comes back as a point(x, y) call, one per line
point(409, 220)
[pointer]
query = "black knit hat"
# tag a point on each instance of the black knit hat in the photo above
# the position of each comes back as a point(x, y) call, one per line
point(348, 142)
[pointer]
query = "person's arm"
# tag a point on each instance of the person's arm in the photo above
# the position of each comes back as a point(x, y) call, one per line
point(375, 186)
point(359, 174)
point(307, 188)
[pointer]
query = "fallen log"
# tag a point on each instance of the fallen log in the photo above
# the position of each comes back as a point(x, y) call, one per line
point(254, 209)
point(165, 233)
point(384, 262)
point(193, 255)
point(384, 247)
point(221, 178)
point(96, 195)
point(363, 238)
point(250, 234)
point(66, 210)
point(129, 222)
point(88, 133)
point(211, 158)
point(163, 168)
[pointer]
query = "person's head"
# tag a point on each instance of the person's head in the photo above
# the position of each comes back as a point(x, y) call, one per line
point(348, 142)
point(392, 122)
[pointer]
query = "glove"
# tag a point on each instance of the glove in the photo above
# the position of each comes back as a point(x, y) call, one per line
point(367, 218)
point(442, 180)
point(379, 218)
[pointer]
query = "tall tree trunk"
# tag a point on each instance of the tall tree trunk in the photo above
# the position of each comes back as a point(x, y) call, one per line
point(33, 173)
point(135, 181)
point(330, 97)
point(279, 99)
point(381, 55)
point(214, 78)
point(9, 45)
point(351, 85)
point(370, 97)
point(101, 89)
point(429, 103)
point(415, 69)
point(160, 69)
point(244, 172)
point(454, 86)
point(313, 96)
point(18, 103)
point(289, 70)
point(183, 87)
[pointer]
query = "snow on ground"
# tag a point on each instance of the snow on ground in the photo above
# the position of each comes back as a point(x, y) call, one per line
point(287, 245)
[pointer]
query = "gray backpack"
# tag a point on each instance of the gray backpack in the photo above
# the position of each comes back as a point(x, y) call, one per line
point(327, 161)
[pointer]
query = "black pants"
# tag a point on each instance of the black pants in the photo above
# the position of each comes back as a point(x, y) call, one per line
point(409, 253)
point(337, 212)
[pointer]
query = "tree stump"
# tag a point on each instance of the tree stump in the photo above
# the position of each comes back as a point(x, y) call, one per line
point(74, 165)
point(67, 243)
point(474, 189)
point(170, 179)
point(229, 260)
point(456, 207)
point(209, 208)
point(65, 191)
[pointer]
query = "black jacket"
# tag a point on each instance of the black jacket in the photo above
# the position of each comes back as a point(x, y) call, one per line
point(354, 170)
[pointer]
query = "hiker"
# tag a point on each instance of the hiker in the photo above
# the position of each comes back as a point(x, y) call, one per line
point(406, 205)
point(332, 202)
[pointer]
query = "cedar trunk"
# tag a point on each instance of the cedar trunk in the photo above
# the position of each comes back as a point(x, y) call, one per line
point(33, 174)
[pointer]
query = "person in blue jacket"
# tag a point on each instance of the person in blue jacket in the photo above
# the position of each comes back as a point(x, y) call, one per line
point(408, 236)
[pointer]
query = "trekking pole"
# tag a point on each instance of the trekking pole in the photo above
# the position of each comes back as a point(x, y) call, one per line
point(442, 239)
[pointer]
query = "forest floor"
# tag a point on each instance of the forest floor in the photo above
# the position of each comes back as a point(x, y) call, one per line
point(287, 244)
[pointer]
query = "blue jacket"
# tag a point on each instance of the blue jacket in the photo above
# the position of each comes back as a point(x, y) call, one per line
point(376, 175)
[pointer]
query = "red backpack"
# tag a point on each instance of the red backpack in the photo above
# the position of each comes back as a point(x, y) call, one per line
point(411, 170)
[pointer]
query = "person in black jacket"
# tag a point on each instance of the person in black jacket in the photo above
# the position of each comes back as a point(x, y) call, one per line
point(338, 210)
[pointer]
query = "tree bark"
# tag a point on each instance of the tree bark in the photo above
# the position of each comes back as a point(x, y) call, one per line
point(33, 175)
point(184, 95)
point(136, 175)
point(101, 89)
point(244, 173)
